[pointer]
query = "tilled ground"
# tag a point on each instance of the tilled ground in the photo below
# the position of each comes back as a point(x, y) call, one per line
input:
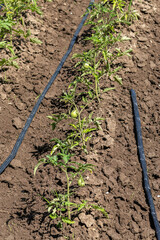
point(117, 182)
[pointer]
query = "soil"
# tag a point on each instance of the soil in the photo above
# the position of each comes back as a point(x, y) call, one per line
point(116, 183)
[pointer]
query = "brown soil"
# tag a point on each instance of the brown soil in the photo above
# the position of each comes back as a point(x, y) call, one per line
point(117, 182)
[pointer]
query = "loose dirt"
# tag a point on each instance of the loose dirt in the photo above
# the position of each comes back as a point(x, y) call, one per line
point(117, 182)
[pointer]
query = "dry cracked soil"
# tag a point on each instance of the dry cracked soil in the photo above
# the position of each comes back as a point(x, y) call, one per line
point(116, 183)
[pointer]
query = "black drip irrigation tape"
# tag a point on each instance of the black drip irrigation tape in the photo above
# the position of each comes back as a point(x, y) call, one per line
point(31, 116)
point(143, 163)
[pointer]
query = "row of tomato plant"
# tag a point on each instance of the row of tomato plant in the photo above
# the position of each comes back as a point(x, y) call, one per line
point(13, 26)
point(106, 19)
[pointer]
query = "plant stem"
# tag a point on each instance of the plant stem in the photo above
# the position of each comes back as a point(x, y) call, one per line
point(80, 125)
point(68, 193)
point(96, 79)
point(96, 88)
point(81, 130)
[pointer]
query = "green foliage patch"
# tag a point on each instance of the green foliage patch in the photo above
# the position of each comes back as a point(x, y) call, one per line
point(106, 19)
point(12, 25)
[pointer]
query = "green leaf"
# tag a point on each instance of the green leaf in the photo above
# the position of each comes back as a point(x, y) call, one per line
point(87, 138)
point(10, 48)
point(108, 89)
point(67, 220)
point(100, 209)
point(14, 64)
point(50, 117)
point(55, 147)
point(128, 51)
point(53, 125)
point(74, 145)
point(63, 209)
point(65, 158)
point(59, 225)
point(82, 106)
point(82, 205)
point(70, 204)
point(73, 125)
point(53, 216)
point(35, 40)
point(3, 44)
point(90, 94)
point(118, 79)
point(89, 130)
point(3, 61)
point(98, 119)
point(84, 99)
point(50, 208)
point(45, 199)
point(125, 38)
point(38, 164)
point(115, 70)
point(73, 167)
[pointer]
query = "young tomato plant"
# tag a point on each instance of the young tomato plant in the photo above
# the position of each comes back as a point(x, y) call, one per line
point(83, 92)
point(99, 62)
point(12, 24)
point(81, 128)
point(82, 124)
point(61, 207)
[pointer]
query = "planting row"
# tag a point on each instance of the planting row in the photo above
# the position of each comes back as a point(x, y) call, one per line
point(100, 62)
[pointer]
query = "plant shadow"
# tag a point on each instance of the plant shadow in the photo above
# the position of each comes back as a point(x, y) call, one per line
point(40, 150)
point(38, 220)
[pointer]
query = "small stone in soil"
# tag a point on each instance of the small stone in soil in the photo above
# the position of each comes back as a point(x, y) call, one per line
point(10, 237)
point(20, 106)
point(111, 126)
point(113, 235)
point(93, 234)
point(88, 220)
point(3, 95)
point(142, 39)
point(134, 227)
point(17, 122)
point(93, 180)
point(16, 163)
point(7, 88)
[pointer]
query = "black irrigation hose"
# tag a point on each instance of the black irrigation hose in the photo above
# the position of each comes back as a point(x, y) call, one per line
point(31, 116)
point(143, 162)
